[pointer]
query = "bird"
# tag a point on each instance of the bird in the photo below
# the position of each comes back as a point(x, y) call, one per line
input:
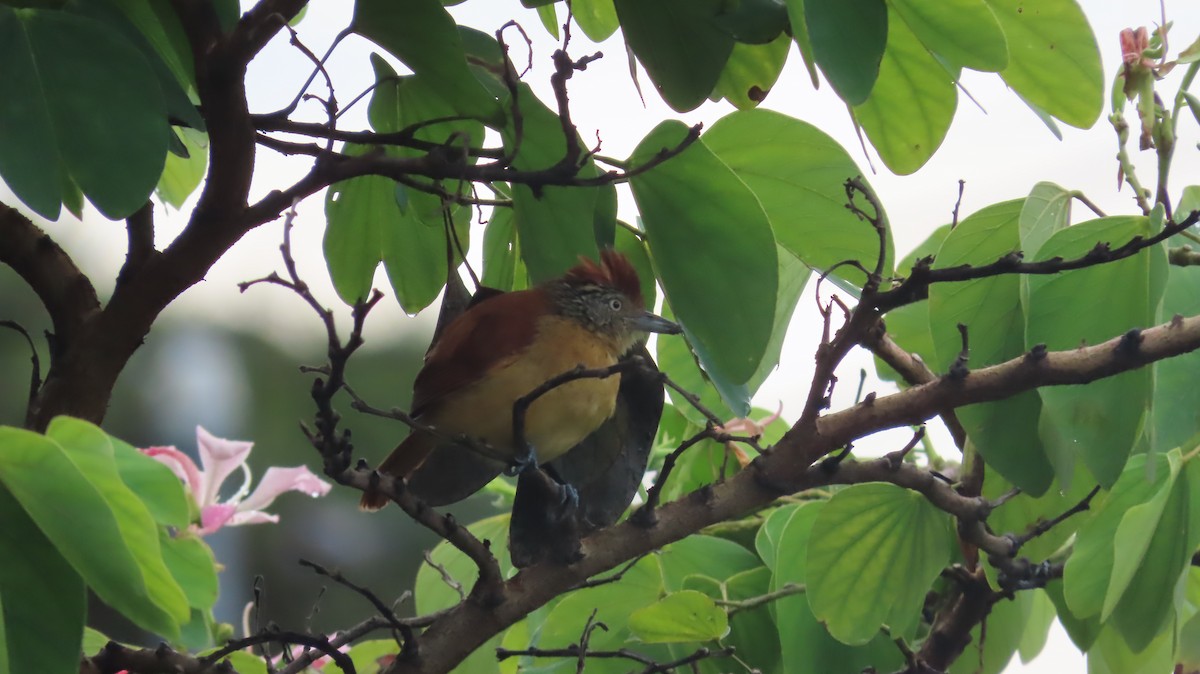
point(501, 349)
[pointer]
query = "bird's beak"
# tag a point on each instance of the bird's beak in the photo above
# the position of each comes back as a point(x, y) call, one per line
point(648, 322)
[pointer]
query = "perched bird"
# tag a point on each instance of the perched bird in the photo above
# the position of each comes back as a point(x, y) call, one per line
point(501, 349)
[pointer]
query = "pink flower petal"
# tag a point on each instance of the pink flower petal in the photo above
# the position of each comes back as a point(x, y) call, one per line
point(251, 517)
point(279, 480)
point(181, 464)
point(220, 457)
point(213, 517)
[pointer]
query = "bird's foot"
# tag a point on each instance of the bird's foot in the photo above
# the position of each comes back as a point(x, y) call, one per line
point(522, 462)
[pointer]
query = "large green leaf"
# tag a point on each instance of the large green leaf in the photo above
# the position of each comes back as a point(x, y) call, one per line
point(964, 32)
point(555, 224)
point(875, 550)
point(684, 616)
point(1096, 576)
point(43, 604)
point(848, 38)
point(1018, 515)
point(91, 450)
point(158, 488)
point(675, 357)
point(702, 223)
point(1175, 412)
point(680, 45)
point(426, 38)
point(81, 100)
point(1101, 421)
point(192, 564)
point(596, 18)
point(58, 496)
point(613, 603)
point(1037, 627)
point(798, 174)
point(356, 213)
point(1146, 606)
point(1111, 655)
point(805, 644)
point(182, 175)
point(1005, 431)
point(793, 276)
point(1047, 209)
point(1053, 60)
point(799, 26)
point(1083, 631)
point(634, 249)
point(499, 251)
point(912, 104)
point(909, 325)
point(703, 555)
point(751, 71)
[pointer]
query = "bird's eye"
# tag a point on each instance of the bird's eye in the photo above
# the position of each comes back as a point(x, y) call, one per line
point(614, 304)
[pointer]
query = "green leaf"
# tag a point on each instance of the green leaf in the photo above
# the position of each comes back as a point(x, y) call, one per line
point(192, 564)
point(1095, 576)
point(875, 550)
point(911, 105)
point(674, 356)
point(1037, 627)
point(43, 603)
point(798, 174)
point(705, 556)
point(1149, 580)
point(426, 38)
point(91, 450)
point(1047, 210)
point(138, 23)
point(158, 488)
point(499, 251)
point(848, 39)
point(766, 541)
point(909, 325)
point(58, 496)
point(806, 645)
point(964, 32)
point(680, 45)
point(700, 222)
point(182, 175)
point(685, 616)
point(549, 18)
point(752, 632)
point(799, 26)
point(754, 21)
point(793, 276)
point(356, 213)
point(366, 654)
point(1083, 631)
point(634, 249)
point(1053, 60)
point(613, 603)
point(1111, 655)
point(1175, 411)
point(91, 102)
point(248, 663)
point(596, 18)
point(1019, 514)
point(1101, 421)
point(555, 225)
point(751, 71)
point(1005, 431)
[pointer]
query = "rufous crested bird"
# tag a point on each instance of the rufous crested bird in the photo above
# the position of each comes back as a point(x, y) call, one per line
point(500, 350)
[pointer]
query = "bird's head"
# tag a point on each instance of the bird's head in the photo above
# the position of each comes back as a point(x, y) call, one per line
point(607, 299)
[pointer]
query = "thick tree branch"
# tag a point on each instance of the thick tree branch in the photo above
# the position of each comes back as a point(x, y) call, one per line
point(66, 293)
point(257, 26)
point(915, 371)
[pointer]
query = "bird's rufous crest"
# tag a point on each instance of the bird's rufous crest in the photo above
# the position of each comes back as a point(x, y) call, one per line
point(614, 271)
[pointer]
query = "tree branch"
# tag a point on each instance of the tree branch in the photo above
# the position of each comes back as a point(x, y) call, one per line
point(65, 292)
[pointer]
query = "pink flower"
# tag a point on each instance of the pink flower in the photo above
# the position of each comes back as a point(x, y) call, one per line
point(1133, 45)
point(220, 458)
point(746, 427)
